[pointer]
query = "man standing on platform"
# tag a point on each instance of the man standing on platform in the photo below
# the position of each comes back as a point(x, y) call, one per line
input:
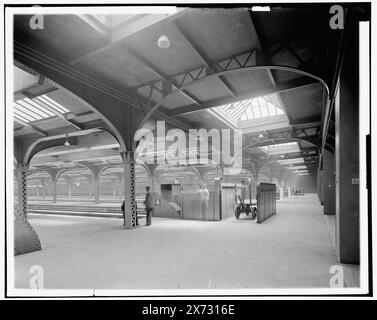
point(124, 214)
point(148, 205)
point(204, 194)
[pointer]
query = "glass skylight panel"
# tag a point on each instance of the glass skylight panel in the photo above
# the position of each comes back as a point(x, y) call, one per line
point(254, 108)
point(297, 168)
point(53, 103)
point(21, 117)
point(48, 103)
point(271, 109)
point(281, 148)
point(264, 111)
point(261, 101)
point(32, 109)
point(257, 113)
point(29, 110)
point(291, 161)
point(248, 114)
point(26, 114)
point(38, 106)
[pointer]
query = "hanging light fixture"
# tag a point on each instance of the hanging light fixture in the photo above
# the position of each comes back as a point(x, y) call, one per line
point(66, 143)
point(163, 41)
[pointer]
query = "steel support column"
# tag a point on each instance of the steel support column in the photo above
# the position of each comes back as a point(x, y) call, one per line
point(54, 182)
point(69, 186)
point(155, 183)
point(328, 182)
point(90, 188)
point(114, 189)
point(96, 181)
point(21, 171)
point(129, 189)
point(320, 185)
point(347, 153)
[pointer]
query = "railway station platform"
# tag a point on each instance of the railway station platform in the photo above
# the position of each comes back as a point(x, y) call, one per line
point(292, 249)
point(242, 133)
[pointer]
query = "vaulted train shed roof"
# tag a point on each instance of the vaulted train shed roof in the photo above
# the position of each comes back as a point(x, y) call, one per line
point(217, 57)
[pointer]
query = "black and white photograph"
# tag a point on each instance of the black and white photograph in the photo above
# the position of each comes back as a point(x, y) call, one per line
point(187, 150)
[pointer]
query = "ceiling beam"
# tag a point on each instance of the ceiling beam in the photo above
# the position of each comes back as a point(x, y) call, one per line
point(288, 158)
point(265, 47)
point(117, 34)
point(265, 127)
point(26, 55)
point(60, 115)
point(258, 30)
point(305, 121)
point(161, 74)
point(95, 24)
point(70, 134)
point(30, 126)
point(294, 155)
point(282, 87)
point(204, 58)
point(76, 157)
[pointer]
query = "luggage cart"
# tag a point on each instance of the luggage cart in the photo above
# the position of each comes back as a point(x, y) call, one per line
point(247, 208)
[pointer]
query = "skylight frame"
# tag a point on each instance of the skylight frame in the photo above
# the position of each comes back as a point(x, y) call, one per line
point(261, 107)
point(291, 161)
point(281, 148)
point(297, 168)
point(31, 110)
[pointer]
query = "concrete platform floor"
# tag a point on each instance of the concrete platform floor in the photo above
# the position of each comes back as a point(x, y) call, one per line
point(293, 249)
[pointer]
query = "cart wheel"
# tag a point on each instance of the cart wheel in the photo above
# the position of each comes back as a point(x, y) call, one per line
point(254, 214)
point(238, 212)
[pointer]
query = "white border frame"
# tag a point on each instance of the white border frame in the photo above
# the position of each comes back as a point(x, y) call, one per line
point(364, 127)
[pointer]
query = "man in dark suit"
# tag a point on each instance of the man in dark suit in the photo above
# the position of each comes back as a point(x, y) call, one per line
point(148, 205)
point(124, 214)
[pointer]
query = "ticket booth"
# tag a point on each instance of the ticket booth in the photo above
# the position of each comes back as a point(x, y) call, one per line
point(168, 204)
point(172, 192)
point(228, 200)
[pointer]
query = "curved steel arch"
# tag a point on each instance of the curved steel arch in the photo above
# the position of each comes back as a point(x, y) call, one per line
point(113, 130)
point(146, 168)
point(56, 66)
point(196, 171)
point(227, 72)
point(281, 140)
point(216, 173)
point(102, 170)
point(329, 147)
point(31, 173)
point(192, 170)
point(44, 143)
point(60, 172)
